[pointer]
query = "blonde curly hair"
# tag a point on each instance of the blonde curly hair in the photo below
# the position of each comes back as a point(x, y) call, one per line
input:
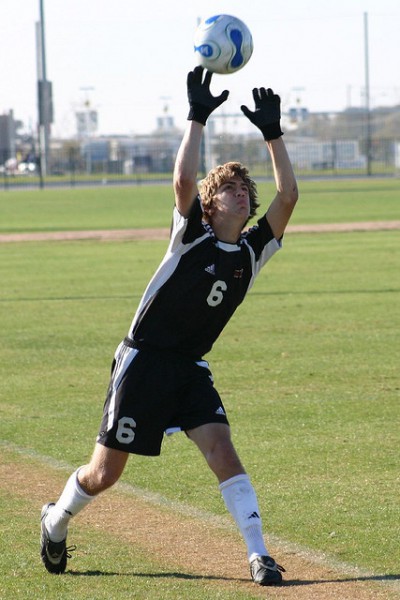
point(216, 177)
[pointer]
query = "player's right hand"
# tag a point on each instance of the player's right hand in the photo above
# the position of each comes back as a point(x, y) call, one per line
point(201, 101)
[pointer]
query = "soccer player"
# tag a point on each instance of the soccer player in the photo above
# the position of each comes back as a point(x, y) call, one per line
point(160, 381)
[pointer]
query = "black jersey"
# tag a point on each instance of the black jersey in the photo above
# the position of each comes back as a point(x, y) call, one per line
point(199, 284)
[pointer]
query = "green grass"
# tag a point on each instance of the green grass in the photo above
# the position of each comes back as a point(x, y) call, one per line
point(102, 570)
point(308, 370)
point(80, 209)
point(150, 205)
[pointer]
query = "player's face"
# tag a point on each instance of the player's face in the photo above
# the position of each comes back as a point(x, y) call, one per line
point(232, 197)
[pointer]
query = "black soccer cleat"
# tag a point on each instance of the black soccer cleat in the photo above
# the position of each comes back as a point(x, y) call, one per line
point(53, 554)
point(265, 571)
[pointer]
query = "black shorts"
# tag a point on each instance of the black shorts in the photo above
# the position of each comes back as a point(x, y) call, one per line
point(152, 392)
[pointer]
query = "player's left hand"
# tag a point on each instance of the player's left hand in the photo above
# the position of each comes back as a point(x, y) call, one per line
point(267, 113)
point(202, 102)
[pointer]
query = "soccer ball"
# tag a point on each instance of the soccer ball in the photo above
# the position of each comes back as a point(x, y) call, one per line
point(223, 44)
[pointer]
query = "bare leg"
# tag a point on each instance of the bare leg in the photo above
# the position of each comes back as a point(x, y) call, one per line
point(104, 469)
point(214, 441)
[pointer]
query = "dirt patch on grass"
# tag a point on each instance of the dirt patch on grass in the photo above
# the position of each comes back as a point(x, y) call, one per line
point(163, 233)
point(185, 544)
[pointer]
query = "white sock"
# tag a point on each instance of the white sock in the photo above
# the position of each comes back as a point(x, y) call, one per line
point(72, 500)
point(241, 501)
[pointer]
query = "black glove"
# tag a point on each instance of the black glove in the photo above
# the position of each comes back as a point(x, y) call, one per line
point(201, 101)
point(267, 113)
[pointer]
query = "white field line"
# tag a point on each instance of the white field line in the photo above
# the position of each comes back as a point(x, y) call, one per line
point(157, 500)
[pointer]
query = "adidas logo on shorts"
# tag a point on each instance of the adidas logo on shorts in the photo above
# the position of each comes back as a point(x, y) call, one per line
point(220, 411)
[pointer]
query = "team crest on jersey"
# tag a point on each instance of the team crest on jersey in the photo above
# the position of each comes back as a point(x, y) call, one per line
point(238, 273)
point(210, 269)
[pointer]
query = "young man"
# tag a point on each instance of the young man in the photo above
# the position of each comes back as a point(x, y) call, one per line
point(160, 381)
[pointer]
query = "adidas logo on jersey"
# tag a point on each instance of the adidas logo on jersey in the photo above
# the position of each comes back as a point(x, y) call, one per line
point(210, 269)
point(220, 411)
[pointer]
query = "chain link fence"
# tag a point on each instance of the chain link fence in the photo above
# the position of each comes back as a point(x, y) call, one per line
point(124, 161)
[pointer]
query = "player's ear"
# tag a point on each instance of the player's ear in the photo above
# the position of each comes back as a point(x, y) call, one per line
point(208, 212)
point(207, 206)
point(211, 208)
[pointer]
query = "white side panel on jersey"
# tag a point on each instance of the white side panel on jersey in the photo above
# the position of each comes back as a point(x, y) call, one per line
point(269, 250)
point(176, 250)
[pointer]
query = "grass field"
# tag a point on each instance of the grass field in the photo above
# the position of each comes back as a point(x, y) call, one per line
point(145, 206)
point(308, 370)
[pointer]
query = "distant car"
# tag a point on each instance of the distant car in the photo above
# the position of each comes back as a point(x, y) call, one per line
point(26, 168)
point(13, 167)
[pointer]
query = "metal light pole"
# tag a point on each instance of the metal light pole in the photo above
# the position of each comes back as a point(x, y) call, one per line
point(87, 128)
point(45, 105)
point(367, 97)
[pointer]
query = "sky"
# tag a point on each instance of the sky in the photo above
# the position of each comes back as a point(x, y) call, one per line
point(129, 59)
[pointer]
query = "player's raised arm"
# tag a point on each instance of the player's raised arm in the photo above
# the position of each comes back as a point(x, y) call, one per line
point(266, 117)
point(202, 103)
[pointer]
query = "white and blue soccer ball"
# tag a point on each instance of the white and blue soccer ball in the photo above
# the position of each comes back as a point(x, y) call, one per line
point(223, 44)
